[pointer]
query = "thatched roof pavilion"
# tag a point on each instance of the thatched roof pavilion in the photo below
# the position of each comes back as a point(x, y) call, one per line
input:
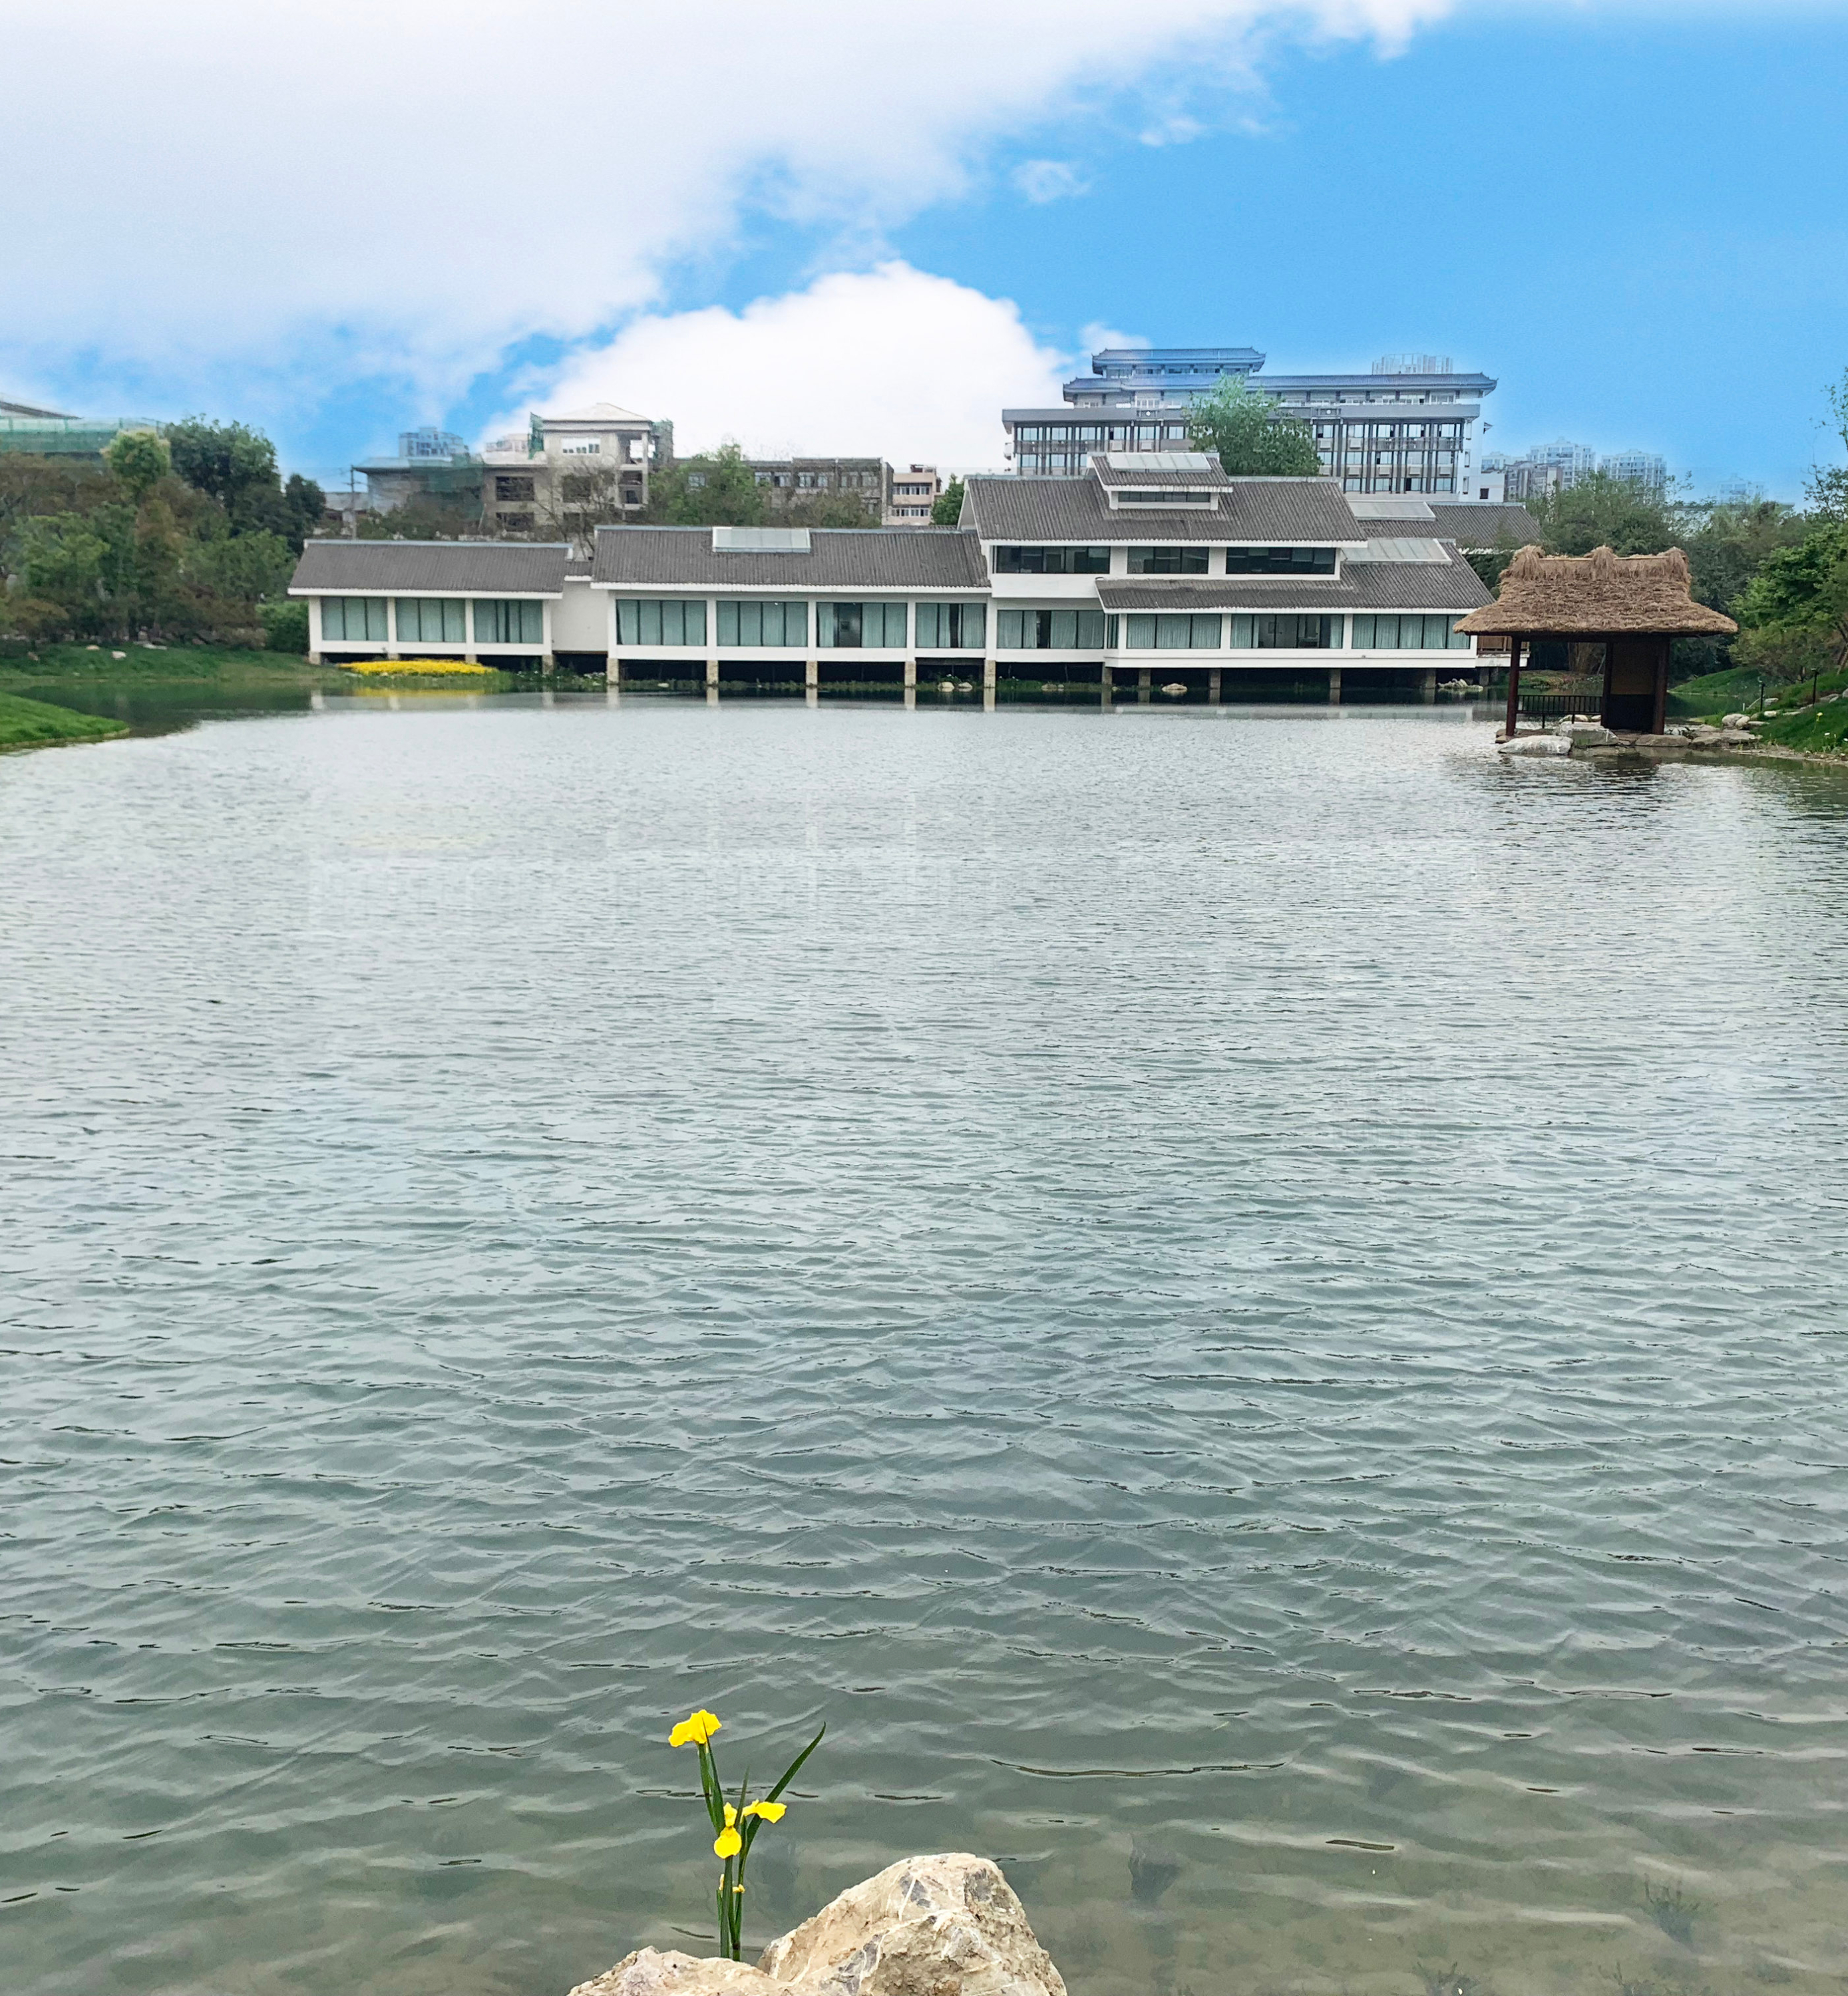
point(1633, 605)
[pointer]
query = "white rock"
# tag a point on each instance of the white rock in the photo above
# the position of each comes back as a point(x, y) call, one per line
point(927, 1926)
point(1736, 721)
point(648, 1972)
point(1536, 745)
point(1587, 733)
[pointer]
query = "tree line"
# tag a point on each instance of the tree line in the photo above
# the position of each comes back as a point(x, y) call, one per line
point(193, 533)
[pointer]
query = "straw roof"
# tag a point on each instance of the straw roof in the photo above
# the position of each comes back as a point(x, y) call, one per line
point(1597, 595)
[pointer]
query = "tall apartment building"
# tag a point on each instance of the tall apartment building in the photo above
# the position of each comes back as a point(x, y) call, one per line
point(1406, 425)
point(1557, 466)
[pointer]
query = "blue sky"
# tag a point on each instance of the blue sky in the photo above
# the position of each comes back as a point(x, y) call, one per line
point(1635, 218)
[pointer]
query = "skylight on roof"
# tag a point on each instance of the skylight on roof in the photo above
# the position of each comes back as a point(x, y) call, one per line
point(760, 541)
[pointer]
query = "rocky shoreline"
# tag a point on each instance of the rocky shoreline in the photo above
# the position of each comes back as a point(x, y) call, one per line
point(1735, 739)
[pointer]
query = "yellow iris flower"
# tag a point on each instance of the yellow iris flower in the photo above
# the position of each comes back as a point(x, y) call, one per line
point(770, 1812)
point(728, 1843)
point(696, 1730)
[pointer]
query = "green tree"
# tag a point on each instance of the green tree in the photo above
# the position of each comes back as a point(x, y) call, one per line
point(140, 459)
point(1601, 512)
point(228, 462)
point(1243, 428)
point(946, 509)
point(424, 517)
point(248, 568)
point(1727, 546)
point(716, 489)
point(1795, 610)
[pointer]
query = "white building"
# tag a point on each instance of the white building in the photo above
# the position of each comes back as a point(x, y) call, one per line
point(1153, 568)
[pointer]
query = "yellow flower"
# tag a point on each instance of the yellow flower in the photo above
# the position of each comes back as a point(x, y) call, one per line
point(695, 1730)
point(770, 1812)
point(731, 1815)
point(728, 1843)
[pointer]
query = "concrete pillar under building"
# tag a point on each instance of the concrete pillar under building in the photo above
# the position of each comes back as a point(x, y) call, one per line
point(811, 675)
point(612, 670)
point(910, 676)
point(1212, 685)
point(1334, 685)
point(712, 666)
point(548, 664)
point(1144, 685)
point(1427, 685)
point(988, 684)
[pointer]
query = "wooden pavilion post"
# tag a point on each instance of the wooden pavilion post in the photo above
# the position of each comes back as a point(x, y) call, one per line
point(1661, 720)
point(1514, 688)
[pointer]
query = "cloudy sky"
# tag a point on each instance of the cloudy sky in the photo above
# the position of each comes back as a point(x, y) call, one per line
point(834, 225)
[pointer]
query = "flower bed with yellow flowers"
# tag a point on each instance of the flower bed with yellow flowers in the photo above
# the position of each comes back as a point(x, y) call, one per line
point(736, 1824)
point(421, 669)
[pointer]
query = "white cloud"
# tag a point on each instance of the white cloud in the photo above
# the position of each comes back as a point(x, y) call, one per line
point(1042, 181)
point(891, 361)
point(1095, 335)
point(288, 193)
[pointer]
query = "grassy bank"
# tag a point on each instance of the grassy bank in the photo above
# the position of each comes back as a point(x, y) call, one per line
point(1821, 730)
point(136, 665)
point(30, 723)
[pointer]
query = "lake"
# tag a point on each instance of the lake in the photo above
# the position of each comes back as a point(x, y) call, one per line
point(1252, 1307)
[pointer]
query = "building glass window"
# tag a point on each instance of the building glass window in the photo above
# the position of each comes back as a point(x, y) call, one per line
point(1167, 561)
point(1286, 634)
point(431, 619)
point(1051, 561)
point(1172, 632)
point(509, 621)
point(867, 626)
point(1416, 631)
point(1280, 561)
point(352, 620)
point(751, 621)
point(1048, 630)
point(669, 623)
point(952, 627)
point(506, 488)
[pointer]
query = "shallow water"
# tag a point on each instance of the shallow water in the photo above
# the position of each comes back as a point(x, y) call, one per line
point(1251, 1307)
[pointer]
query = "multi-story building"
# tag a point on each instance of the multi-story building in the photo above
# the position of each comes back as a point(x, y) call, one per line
point(430, 464)
point(572, 473)
point(1155, 566)
point(911, 494)
point(1637, 467)
point(1407, 425)
point(792, 481)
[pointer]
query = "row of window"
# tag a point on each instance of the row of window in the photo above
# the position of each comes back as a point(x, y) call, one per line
point(431, 619)
point(882, 626)
point(839, 626)
point(1165, 561)
point(1408, 633)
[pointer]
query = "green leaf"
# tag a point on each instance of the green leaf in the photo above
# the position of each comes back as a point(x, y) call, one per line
point(790, 1772)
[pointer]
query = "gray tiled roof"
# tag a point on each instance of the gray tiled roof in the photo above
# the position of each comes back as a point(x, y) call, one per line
point(1480, 523)
point(1361, 585)
point(838, 558)
point(454, 568)
point(1190, 468)
point(1254, 512)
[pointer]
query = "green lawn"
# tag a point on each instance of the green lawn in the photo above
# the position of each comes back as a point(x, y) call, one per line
point(1821, 730)
point(30, 723)
point(221, 665)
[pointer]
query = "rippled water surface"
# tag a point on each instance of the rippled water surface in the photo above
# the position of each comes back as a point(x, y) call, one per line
point(1252, 1308)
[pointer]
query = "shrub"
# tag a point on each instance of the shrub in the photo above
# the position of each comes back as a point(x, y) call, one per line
point(285, 626)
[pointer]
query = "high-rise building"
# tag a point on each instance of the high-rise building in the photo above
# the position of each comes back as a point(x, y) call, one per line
point(1407, 424)
point(1638, 467)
